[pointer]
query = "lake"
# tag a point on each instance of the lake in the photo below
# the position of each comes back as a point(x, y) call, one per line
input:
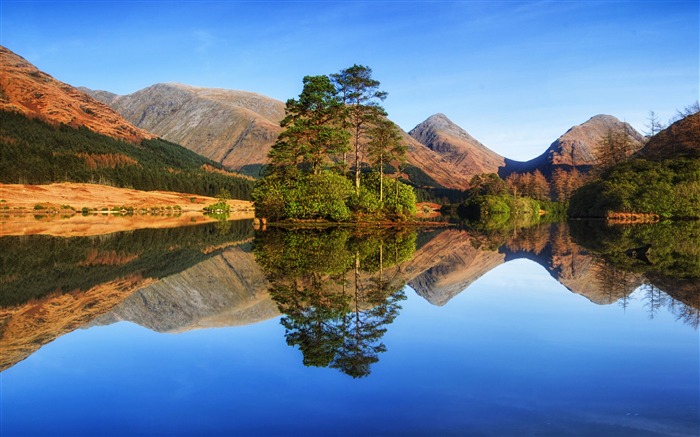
point(217, 329)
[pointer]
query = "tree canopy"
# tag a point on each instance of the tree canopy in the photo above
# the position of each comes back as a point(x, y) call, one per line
point(307, 177)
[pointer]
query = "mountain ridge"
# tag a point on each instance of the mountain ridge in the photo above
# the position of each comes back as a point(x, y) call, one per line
point(29, 91)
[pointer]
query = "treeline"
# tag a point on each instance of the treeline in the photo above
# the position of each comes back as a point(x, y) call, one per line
point(521, 197)
point(334, 132)
point(36, 152)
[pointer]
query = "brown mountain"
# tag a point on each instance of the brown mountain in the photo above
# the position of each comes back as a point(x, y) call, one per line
point(576, 148)
point(682, 138)
point(236, 128)
point(453, 143)
point(25, 89)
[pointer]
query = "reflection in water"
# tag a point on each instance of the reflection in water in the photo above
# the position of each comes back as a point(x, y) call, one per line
point(53, 285)
point(658, 257)
point(338, 290)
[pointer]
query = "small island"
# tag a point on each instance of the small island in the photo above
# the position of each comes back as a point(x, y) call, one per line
point(310, 176)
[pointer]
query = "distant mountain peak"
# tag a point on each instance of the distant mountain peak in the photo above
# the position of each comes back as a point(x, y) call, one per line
point(576, 147)
point(455, 145)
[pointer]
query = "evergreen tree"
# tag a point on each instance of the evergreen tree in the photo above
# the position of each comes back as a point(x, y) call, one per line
point(360, 93)
point(384, 146)
point(312, 134)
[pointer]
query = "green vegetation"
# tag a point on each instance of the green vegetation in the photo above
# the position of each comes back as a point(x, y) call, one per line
point(308, 179)
point(35, 152)
point(668, 188)
point(663, 179)
point(674, 250)
point(338, 290)
point(489, 200)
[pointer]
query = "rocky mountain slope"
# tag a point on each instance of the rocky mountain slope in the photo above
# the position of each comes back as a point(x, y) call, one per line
point(235, 128)
point(576, 148)
point(453, 143)
point(25, 89)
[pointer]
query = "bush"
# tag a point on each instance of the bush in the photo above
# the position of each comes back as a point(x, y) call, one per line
point(330, 196)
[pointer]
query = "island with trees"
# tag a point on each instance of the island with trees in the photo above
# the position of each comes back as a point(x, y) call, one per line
point(330, 162)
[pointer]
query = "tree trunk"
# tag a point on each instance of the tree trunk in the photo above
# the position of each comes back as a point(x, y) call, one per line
point(381, 180)
point(357, 159)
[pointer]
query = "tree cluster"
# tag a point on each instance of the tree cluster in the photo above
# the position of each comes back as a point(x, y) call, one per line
point(669, 188)
point(310, 176)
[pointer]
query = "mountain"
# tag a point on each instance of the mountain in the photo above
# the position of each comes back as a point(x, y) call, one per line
point(238, 128)
point(26, 90)
point(453, 143)
point(53, 132)
point(682, 138)
point(576, 148)
point(234, 128)
point(447, 265)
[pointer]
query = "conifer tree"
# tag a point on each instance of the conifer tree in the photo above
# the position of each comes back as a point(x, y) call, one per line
point(360, 93)
point(383, 147)
point(313, 133)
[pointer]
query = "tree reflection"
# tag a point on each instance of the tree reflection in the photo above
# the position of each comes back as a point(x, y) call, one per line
point(663, 258)
point(338, 290)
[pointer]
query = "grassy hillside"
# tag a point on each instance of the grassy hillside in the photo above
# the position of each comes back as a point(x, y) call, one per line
point(36, 152)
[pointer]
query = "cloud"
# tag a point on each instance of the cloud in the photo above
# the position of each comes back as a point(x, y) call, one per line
point(204, 40)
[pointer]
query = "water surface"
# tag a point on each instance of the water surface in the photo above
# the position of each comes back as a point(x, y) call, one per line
point(204, 331)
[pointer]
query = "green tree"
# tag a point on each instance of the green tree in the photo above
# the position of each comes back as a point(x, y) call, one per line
point(360, 93)
point(313, 134)
point(384, 146)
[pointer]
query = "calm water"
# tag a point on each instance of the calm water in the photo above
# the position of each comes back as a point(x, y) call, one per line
point(204, 330)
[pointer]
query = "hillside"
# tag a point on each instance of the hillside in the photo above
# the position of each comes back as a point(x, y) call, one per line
point(453, 143)
point(52, 132)
point(682, 138)
point(25, 89)
point(661, 181)
point(235, 128)
point(576, 148)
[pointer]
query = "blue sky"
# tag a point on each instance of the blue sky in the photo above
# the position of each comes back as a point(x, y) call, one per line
point(515, 75)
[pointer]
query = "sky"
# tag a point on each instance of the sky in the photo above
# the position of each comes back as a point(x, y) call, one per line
point(515, 75)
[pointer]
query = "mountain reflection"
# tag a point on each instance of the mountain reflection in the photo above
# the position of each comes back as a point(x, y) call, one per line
point(337, 290)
